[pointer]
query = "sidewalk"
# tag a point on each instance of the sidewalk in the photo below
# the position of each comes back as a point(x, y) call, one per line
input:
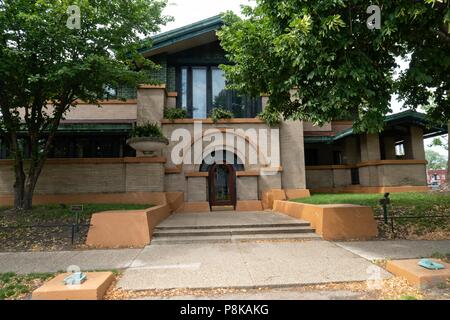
point(396, 249)
point(272, 264)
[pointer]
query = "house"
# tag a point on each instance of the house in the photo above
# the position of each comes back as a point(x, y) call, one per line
point(436, 178)
point(91, 158)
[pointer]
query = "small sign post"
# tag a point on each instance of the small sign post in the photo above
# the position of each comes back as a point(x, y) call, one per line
point(77, 210)
point(385, 202)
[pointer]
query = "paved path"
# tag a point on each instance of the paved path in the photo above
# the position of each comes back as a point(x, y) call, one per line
point(274, 294)
point(227, 218)
point(28, 262)
point(396, 249)
point(249, 265)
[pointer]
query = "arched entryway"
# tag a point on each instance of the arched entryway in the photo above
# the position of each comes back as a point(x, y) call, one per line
point(222, 167)
point(222, 185)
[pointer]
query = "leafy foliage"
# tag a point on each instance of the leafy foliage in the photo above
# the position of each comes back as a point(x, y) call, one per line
point(175, 113)
point(217, 114)
point(45, 66)
point(150, 130)
point(272, 119)
point(340, 68)
point(436, 161)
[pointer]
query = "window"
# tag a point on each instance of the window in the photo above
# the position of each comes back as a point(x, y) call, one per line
point(400, 149)
point(202, 88)
point(337, 158)
point(223, 157)
point(311, 157)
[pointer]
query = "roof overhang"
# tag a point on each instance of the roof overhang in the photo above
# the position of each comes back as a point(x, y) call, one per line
point(184, 38)
point(406, 117)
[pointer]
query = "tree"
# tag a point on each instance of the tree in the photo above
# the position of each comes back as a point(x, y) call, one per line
point(47, 63)
point(436, 161)
point(443, 142)
point(340, 67)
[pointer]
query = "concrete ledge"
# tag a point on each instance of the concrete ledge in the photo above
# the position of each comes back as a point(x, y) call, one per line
point(125, 229)
point(269, 196)
point(418, 276)
point(358, 189)
point(249, 205)
point(188, 207)
point(157, 198)
point(333, 222)
point(94, 288)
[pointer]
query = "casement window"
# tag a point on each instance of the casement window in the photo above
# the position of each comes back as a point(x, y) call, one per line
point(202, 88)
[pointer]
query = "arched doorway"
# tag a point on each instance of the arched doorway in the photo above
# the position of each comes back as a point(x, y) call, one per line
point(222, 185)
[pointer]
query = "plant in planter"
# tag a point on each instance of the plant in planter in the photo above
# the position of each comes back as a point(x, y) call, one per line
point(217, 114)
point(175, 113)
point(272, 119)
point(147, 138)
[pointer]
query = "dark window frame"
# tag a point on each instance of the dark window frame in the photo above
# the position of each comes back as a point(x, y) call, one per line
point(209, 89)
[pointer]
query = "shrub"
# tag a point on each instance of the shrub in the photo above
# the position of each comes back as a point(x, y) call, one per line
point(272, 119)
point(217, 114)
point(150, 130)
point(175, 113)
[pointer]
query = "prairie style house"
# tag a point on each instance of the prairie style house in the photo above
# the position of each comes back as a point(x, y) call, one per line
point(91, 156)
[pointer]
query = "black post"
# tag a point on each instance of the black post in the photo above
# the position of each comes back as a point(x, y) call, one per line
point(385, 202)
point(78, 221)
point(73, 234)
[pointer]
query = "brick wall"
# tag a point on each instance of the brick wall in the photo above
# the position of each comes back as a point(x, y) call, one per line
point(92, 178)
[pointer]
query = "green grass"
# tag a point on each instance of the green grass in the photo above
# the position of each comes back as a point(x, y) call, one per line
point(412, 200)
point(51, 212)
point(13, 286)
point(402, 204)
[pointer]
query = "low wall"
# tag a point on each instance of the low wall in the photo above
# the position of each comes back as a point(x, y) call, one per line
point(269, 196)
point(125, 229)
point(333, 222)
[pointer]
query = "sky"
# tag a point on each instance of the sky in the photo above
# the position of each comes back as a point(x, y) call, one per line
point(190, 11)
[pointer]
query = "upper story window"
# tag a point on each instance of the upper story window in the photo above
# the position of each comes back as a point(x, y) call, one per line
point(202, 88)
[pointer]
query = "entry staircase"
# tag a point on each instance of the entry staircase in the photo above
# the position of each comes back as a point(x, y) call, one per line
point(294, 231)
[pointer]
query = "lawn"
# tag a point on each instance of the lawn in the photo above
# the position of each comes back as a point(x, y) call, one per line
point(53, 237)
point(13, 286)
point(402, 204)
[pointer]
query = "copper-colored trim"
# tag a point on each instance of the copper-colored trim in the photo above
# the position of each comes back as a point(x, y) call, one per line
point(172, 94)
point(330, 167)
point(96, 161)
point(196, 174)
point(248, 173)
point(152, 86)
point(342, 122)
point(106, 102)
point(210, 121)
point(175, 170)
point(390, 162)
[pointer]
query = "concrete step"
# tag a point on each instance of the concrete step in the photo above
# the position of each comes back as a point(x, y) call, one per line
point(238, 226)
point(235, 238)
point(230, 232)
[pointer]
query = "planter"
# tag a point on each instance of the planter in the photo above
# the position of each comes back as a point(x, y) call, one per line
point(148, 145)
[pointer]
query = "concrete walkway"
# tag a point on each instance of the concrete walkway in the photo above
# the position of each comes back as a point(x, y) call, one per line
point(249, 265)
point(396, 249)
point(227, 218)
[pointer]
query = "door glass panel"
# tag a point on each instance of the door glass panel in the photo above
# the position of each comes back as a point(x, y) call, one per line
point(199, 93)
point(218, 88)
point(184, 86)
point(222, 183)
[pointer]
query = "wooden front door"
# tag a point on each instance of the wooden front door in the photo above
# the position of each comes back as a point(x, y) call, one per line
point(222, 185)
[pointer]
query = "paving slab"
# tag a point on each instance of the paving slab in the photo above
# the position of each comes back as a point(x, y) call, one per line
point(249, 265)
point(396, 249)
point(228, 218)
point(275, 294)
point(41, 262)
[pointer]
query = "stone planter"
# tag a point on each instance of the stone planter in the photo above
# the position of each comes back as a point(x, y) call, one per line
point(148, 145)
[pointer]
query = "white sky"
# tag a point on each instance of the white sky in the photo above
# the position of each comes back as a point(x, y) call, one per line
point(190, 11)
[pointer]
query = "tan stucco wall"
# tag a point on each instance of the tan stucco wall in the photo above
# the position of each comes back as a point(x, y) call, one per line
point(197, 189)
point(333, 222)
point(247, 188)
point(408, 175)
point(292, 155)
point(124, 229)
